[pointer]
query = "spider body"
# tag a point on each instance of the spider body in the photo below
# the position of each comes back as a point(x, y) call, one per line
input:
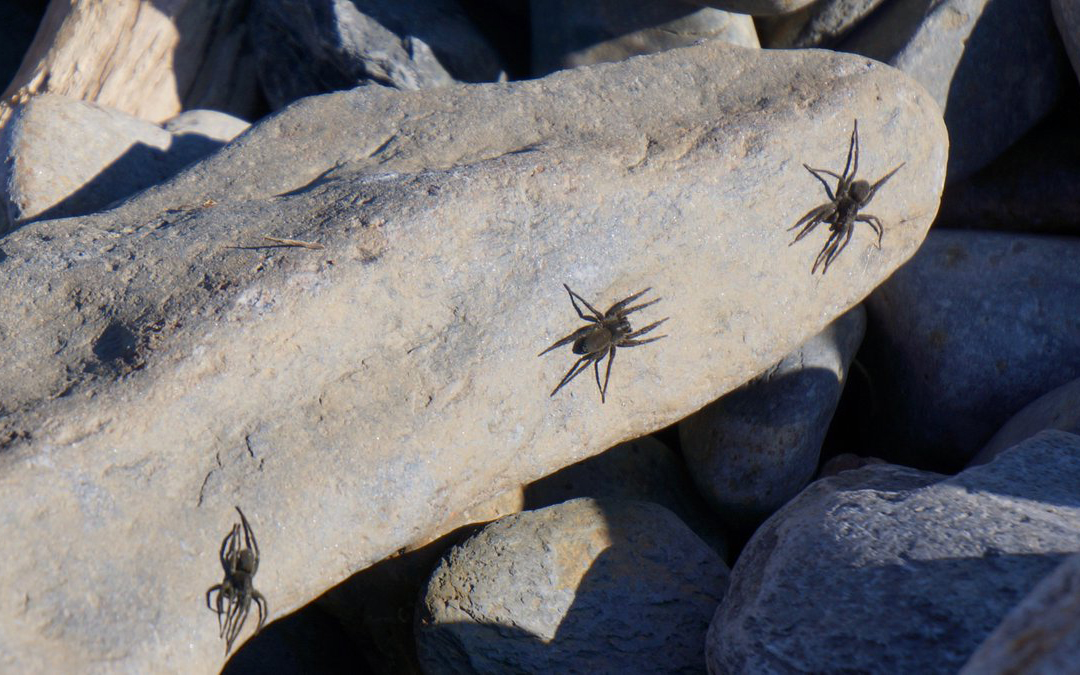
point(604, 333)
point(236, 591)
point(844, 206)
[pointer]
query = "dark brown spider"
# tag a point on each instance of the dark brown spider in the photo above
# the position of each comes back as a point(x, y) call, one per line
point(236, 590)
point(842, 211)
point(604, 333)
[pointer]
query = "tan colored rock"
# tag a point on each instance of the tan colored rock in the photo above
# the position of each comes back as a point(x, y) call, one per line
point(160, 367)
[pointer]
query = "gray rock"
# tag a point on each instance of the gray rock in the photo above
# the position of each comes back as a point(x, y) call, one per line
point(819, 24)
point(755, 448)
point(568, 33)
point(351, 399)
point(62, 157)
point(212, 124)
point(889, 569)
point(976, 326)
point(755, 7)
point(306, 47)
point(1041, 635)
point(1058, 409)
point(643, 469)
point(1067, 17)
point(846, 462)
point(995, 67)
point(586, 586)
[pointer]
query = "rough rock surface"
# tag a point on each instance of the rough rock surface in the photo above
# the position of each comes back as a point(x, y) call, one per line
point(568, 33)
point(755, 448)
point(817, 25)
point(587, 585)
point(63, 157)
point(1067, 17)
point(950, 365)
point(891, 569)
point(307, 47)
point(1041, 635)
point(755, 7)
point(349, 398)
point(1058, 409)
point(994, 66)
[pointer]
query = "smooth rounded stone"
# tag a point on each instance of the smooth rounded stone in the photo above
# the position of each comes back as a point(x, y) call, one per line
point(1034, 186)
point(890, 569)
point(350, 398)
point(976, 326)
point(995, 67)
point(61, 157)
point(306, 47)
point(212, 124)
point(585, 586)
point(755, 7)
point(1058, 409)
point(1041, 635)
point(1067, 17)
point(643, 469)
point(147, 58)
point(819, 24)
point(568, 33)
point(755, 448)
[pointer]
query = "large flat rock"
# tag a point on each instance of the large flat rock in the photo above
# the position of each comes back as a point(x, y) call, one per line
point(160, 368)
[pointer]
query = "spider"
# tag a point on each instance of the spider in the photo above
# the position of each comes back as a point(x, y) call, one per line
point(236, 590)
point(604, 333)
point(842, 211)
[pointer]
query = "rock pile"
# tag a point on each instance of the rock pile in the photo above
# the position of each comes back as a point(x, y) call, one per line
point(300, 257)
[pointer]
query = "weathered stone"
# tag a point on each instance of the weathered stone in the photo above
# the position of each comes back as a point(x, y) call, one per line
point(307, 47)
point(643, 469)
point(349, 398)
point(889, 569)
point(1058, 409)
point(586, 585)
point(214, 125)
point(1041, 635)
point(819, 24)
point(846, 462)
point(1034, 186)
point(147, 58)
point(755, 448)
point(976, 326)
point(995, 67)
point(568, 33)
point(755, 7)
point(62, 157)
point(1067, 17)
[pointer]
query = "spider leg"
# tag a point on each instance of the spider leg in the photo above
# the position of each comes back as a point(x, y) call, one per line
point(575, 370)
point(830, 244)
point(813, 219)
point(236, 623)
point(264, 609)
point(607, 373)
point(572, 337)
point(635, 343)
point(853, 149)
point(875, 224)
point(229, 549)
point(841, 242)
point(249, 540)
point(577, 309)
point(828, 190)
point(643, 305)
point(875, 186)
point(618, 306)
point(646, 329)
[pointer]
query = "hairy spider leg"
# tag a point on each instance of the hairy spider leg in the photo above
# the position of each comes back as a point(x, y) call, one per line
point(238, 612)
point(838, 240)
point(875, 186)
point(642, 331)
point(815, 173)
point(618, 306)
point(874, 224)
point(264, 608)
point(572, 337)
point(579, 365)
point(631, 310)
point(812, 219)
point(852, 148)
point(607, 373)
point(577, 309)
point(249, 541)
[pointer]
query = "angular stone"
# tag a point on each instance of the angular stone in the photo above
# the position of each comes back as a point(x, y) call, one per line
point(994, 66)
point(1058, 409)
point(889, 569)
point(820, 24)
point(1067, 17)
point(349, 398)
point(758, 446)
point(1041, 634)
point(586, 585)
point(976, 326)
point(61, 157)
point(568, 34)
point(307, 47)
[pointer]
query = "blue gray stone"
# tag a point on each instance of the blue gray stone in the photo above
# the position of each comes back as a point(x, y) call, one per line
point(890, 569)
point(1058, 409)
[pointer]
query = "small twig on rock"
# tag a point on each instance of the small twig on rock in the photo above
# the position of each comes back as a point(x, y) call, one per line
point(295, 242)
